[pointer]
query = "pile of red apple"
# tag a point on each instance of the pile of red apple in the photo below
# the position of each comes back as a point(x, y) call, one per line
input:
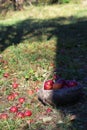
point(15, 109)
point(54, 84)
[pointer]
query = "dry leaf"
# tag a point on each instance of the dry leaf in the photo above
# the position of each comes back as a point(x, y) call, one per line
point(47, 119)
point(72, 117)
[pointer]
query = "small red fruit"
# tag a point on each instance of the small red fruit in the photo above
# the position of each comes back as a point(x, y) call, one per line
point(4, 116)
point(37, 89)
point(21, 100)
point(20, 115)
point(10, 97)
point(6, 75)
point(27, 113)
point(59, 84)
point(14, 109)
point(15, 85)
point(71, 83)
point(49, 110)
point(15, 94)
point(48, 85)
point(30, 92)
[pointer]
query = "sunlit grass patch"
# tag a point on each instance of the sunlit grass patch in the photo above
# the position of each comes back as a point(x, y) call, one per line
point(35, 42)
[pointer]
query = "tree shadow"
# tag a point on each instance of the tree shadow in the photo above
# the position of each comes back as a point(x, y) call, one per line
point(71, 49)
point(70, 34)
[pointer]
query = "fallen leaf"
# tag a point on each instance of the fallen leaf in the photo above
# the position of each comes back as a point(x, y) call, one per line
point(47, 119)
point(72, 117)
point(60, 122)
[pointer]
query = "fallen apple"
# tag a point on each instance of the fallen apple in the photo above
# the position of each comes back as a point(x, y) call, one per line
point(15, 94)
point(28, 113)
point(49, 110)
point(15, 85)
point(48, 85)
point(4, 116)
point(10, 97)
point(6, 75)
point(20, 115)
point(21, 100)
point(30, 92)
point(14, 109)
point(37, 89)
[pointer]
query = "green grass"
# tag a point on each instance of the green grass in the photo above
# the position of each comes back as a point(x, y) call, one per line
point(34, 42)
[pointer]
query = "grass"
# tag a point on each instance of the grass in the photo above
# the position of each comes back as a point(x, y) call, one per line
point(32, 45)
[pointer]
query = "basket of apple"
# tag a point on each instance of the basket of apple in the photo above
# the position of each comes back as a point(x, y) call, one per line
point(60, 91)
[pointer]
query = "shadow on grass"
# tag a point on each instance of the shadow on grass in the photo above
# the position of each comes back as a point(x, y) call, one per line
point(70, 38)
point(71, 48)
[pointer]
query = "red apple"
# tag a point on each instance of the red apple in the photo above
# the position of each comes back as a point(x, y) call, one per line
point(37, 89)
point(4, 116)
point(20, 115)
point(30, 92)
point(49, 110)
point(15, 85)
point(27, 113)
point(59, 84)
point(71, 83)
point(15, 94)
point(10, 97)
point(14, 109)
point(6, 75)
point(48, 85)
point(21, 100)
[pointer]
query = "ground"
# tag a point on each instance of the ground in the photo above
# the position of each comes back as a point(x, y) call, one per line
point(32, 45)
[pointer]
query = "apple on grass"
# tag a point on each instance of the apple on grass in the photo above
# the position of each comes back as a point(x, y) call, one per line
point(30, 92)
point(4, 116)
point(28, 113)
point(21, 100)
point(20, 115)
point(6, 75)
point(48, 85)
point(10, 97)
point(15, 94)
point(49, 110)
point(14, 109)
point(15, 85)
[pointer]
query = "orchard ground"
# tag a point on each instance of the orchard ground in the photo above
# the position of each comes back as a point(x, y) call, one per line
point(34, 42)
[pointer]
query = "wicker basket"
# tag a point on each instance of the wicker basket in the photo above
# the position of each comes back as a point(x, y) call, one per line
point(60, 96)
